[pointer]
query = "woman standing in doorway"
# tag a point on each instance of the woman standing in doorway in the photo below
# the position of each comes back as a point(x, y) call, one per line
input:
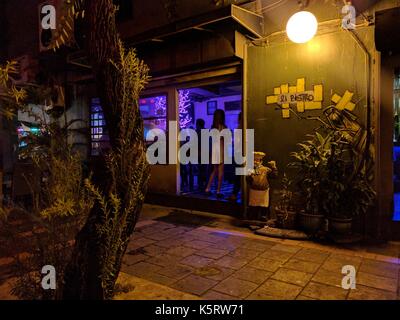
point(217, 154)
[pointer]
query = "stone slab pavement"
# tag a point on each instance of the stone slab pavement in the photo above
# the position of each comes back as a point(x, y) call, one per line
point(215, 263)
point(219, 261)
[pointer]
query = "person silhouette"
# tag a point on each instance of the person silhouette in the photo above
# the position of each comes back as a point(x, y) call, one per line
point(217, 154)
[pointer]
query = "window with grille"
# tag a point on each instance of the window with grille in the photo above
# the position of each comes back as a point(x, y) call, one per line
point(98, 130)
point(154, 113)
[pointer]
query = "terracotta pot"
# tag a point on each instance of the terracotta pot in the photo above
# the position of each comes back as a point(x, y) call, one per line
point(310, 223)
point(340, 226)
point(286, 220)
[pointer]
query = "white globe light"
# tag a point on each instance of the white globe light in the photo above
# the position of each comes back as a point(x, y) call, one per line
point(302, 27)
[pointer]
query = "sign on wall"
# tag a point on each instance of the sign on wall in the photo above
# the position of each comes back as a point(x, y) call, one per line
point(296, 96)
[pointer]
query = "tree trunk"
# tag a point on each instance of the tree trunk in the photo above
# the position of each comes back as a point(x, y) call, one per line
point(83, 274)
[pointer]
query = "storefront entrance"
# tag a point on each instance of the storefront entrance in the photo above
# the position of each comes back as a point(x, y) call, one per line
point(197, 106)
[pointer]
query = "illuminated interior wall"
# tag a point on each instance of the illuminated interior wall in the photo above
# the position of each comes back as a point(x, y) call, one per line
point(200, 111)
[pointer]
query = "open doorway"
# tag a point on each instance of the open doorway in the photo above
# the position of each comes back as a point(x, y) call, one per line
point(197, 106)
point(396, 147)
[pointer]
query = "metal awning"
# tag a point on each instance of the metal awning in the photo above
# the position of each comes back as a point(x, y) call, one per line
point(250, 22)
point(247, 21)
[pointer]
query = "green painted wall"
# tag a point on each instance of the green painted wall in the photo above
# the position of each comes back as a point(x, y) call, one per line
point(334, 60)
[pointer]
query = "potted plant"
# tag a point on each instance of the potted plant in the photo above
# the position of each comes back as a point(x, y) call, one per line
point(331, 174)
point(349, 193)
point(353, 196)
point(353, 202)
point(311, 176)
point(285, 210)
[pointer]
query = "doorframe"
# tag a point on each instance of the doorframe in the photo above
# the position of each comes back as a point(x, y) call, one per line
point(196, 78)
point(237, 76)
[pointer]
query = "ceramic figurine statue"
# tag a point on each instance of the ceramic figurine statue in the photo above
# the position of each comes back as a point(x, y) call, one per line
point(259, 187)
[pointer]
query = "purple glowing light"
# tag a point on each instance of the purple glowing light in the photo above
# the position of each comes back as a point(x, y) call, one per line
point(185, 104)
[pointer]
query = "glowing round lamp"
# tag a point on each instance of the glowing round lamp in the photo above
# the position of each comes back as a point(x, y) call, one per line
point(302, 27)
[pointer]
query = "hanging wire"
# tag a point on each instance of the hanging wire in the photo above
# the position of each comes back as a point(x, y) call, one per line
point(329, 26)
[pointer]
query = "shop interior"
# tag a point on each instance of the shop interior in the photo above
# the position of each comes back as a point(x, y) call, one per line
point(197, 106)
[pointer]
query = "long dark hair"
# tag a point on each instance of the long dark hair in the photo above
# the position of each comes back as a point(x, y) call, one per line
point(219, 119)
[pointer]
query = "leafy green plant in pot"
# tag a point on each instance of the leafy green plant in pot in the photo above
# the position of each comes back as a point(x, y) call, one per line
point(310, 169)
point(353, 193)
point(338, 170)
point(285, 210)
point(354, 201)
point(349, 193)
point(332, 178)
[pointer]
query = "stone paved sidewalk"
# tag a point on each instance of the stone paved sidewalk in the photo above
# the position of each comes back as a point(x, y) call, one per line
point(219, 261)
point(218, 264)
